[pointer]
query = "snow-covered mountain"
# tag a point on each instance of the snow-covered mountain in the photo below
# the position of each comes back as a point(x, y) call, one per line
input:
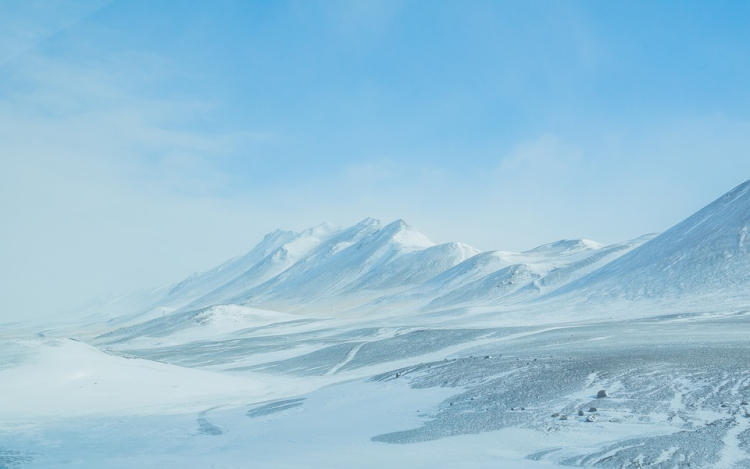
point(708, 253)
point(368, 268)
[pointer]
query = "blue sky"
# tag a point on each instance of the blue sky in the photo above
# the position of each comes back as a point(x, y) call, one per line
point(143, 140)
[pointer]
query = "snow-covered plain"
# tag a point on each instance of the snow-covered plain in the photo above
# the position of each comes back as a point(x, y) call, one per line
point(371, 346)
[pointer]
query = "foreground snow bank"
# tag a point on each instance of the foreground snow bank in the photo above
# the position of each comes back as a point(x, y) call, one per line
point(64, 377)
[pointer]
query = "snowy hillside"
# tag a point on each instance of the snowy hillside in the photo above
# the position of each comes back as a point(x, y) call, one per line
point(708, 253)
point(161, 300)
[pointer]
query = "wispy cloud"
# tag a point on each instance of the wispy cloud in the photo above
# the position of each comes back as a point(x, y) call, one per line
point(543, 156)
point(100, 179)
point(25, 24)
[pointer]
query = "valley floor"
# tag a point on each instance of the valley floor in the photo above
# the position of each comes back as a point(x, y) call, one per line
point(469, 392)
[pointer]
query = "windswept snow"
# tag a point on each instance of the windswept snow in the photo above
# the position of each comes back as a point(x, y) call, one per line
point(62, 378)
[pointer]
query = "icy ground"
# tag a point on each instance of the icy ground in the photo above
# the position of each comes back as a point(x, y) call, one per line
point(425, 392)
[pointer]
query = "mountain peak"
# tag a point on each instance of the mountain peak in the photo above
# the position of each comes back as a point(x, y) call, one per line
point(322, 230)
point(368, 223)
point(276, 234)
point(567, 246)
point(396, 225)
point(407, 236)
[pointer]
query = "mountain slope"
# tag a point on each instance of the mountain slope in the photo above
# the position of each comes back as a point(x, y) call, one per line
point(502, 277)
point(508, 278)
point(310, 244)
point(331, 275)
point(157, 301)
point(200, 284)
point(708, 252)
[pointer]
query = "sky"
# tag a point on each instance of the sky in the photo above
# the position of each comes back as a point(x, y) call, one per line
point(143, 140)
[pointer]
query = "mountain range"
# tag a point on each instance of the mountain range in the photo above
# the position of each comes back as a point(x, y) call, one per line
point(371, 267)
